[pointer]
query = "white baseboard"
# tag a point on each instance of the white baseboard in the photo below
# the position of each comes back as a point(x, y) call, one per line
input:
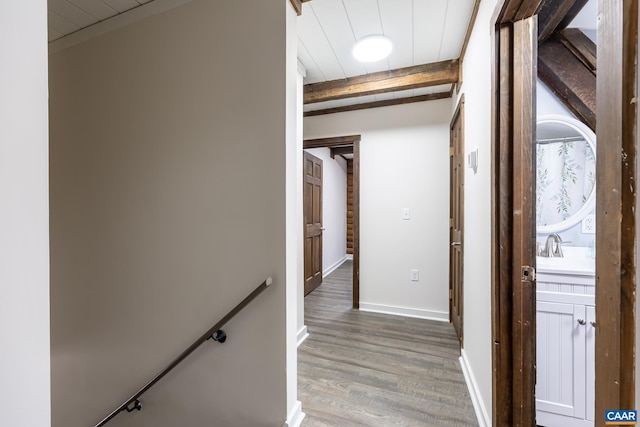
point(349, 256)
point(303, 334)
point(441, 316)
point(327, 271)
point(295, 417)
point(476, 398)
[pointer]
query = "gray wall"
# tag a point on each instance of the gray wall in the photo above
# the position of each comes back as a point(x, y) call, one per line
point(167, 208)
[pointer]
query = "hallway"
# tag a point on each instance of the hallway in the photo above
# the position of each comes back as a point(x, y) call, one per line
point(369, 369)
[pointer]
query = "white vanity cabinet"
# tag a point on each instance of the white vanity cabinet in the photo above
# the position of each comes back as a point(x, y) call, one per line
point(565, 344)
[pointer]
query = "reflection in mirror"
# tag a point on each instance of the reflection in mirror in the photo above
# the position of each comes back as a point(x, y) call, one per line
point(565, 173)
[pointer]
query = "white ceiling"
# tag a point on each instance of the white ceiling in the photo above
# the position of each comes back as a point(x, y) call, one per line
point(422, 32)
point(69, 16)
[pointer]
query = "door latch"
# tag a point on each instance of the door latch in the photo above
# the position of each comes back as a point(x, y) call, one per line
point(528, 273)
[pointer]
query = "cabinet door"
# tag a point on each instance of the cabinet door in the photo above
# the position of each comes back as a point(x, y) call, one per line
point(560, 359)
point(591, 363)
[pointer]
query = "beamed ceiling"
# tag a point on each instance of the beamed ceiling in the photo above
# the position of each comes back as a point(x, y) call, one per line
point(429, 37)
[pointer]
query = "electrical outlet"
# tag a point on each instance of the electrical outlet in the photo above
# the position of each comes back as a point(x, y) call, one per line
point(415, 275)
point(589, 224)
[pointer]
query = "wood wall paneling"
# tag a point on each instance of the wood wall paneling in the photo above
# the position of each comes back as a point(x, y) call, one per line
point(349, 218)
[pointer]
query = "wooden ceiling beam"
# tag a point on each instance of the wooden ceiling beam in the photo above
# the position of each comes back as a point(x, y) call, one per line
point(385, 103)
point(556, 15)
point(569, 79)
point(580, 45)
point(437, 73)
point(337, 141)
point(341, 151)
point(297, 5)
point(573, 12)
point(550, 15)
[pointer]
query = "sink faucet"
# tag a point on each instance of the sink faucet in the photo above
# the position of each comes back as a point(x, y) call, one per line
point(548, 250)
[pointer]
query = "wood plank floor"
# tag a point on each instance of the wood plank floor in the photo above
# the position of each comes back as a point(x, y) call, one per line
point(368, 369)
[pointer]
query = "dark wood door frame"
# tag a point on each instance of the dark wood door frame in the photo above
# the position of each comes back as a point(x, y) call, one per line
point(456, 221)
point(615, 205)
point(348, 141)
point(513, 305)
point(513, 236)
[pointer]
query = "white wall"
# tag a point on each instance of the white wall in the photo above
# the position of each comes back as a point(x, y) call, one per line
point(301, 328)
point(167, 209)
point(294, 220)
point(477, 251)
point(548, 104)
point(24, 216)
point(404, 163)
point(334, 209)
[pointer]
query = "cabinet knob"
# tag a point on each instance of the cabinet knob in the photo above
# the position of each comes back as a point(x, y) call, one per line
point(582, 322)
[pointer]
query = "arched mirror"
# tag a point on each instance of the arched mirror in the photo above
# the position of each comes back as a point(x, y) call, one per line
point(565, 173)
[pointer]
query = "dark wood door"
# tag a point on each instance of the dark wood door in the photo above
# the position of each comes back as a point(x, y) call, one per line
point(456, 221)
point(312, 222)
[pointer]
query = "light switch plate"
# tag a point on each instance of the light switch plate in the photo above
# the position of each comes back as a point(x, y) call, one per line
point(415, 275)
point(406, 214)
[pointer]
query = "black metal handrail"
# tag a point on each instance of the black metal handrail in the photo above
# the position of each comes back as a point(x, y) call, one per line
point(214, 333)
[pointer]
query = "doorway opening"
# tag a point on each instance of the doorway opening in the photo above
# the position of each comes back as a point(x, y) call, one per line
point(343, 145)
point(513, 222)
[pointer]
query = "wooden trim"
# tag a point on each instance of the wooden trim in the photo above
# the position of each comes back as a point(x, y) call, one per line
point(528, 8)
point(513, 237)
point(472, 22)
point(525, 40)
point(356, 224)
point(346, 141)
point(501, 226)
point(376, 104)
point(336, 141)
point(615, 206)
point(297, 6)
point(340, 151)
point(437, 73)
point(456, 221)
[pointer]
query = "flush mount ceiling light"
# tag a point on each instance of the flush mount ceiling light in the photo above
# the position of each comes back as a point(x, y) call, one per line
point(372, 48)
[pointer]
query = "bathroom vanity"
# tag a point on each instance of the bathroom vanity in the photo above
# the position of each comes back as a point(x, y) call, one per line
point(565, 280)
point(565, 307)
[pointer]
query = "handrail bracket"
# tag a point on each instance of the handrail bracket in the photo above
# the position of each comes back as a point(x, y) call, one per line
point(137, 406)
point(218, 336)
